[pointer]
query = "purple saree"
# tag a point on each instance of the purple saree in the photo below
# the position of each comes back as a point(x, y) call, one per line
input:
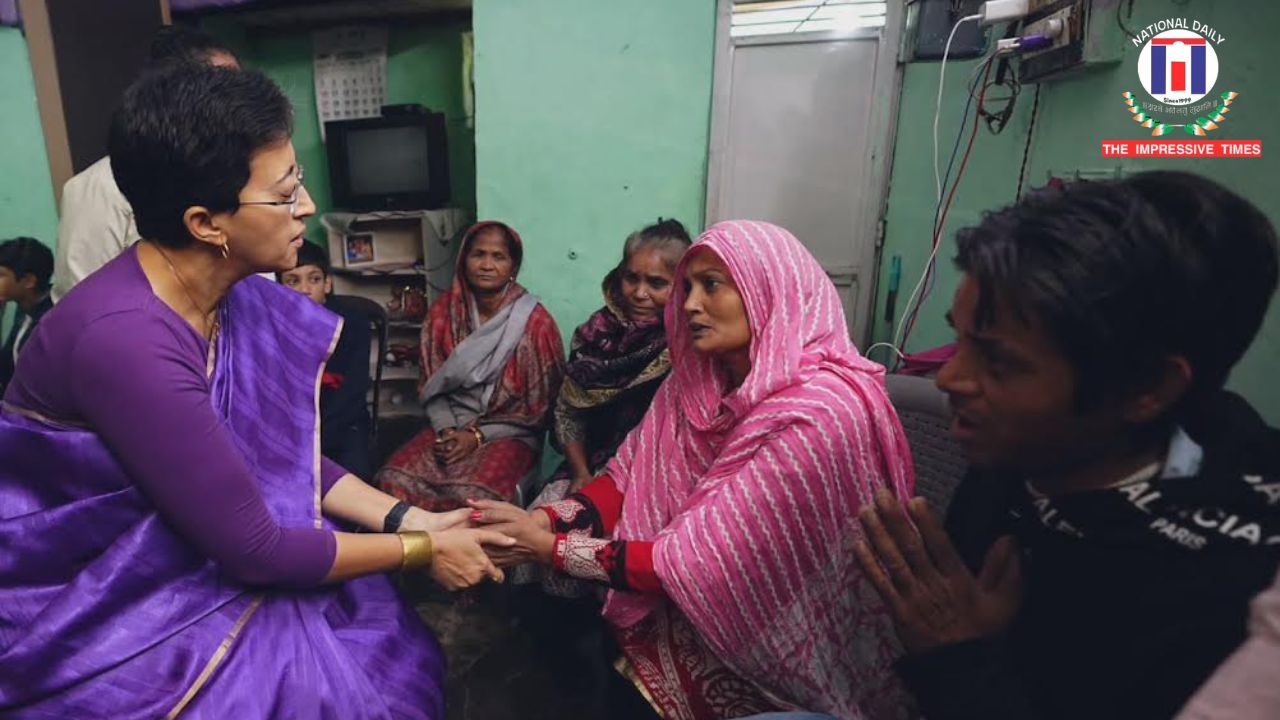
point(107, 611)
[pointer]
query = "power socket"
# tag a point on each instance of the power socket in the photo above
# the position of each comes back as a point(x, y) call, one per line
point(1058, 27)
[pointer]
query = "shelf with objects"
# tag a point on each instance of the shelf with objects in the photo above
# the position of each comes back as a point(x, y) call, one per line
point(398, 261)
point(392, 247)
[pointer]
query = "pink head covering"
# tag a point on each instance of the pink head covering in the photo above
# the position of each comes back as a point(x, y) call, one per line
point(751, 496)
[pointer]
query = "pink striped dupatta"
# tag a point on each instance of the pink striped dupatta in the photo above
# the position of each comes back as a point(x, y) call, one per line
point(751, 498)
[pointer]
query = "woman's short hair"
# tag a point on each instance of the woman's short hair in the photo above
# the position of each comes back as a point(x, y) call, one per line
point(183, 136)
point(667, 236)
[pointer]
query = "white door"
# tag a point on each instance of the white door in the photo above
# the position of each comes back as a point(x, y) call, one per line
point(802, 127)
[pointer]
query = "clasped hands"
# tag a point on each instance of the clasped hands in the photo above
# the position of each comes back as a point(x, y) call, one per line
point(529, 529)
point(932, 596)
point(460, 556)
point(477, 542)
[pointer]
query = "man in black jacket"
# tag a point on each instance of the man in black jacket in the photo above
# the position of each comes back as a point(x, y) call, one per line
point(1122, 508)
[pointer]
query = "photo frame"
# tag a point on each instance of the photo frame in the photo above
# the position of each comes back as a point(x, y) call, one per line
point(358, 249)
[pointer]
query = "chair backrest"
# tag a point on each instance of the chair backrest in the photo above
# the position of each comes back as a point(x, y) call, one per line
point(376, 314)
point(939, 460)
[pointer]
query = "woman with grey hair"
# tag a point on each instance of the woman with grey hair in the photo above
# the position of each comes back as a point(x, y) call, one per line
point(617, 360)
point(618, 357)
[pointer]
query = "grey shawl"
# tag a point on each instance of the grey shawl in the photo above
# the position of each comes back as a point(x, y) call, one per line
point(459, 392)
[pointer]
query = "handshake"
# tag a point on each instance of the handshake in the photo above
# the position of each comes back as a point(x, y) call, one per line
point(475, 543)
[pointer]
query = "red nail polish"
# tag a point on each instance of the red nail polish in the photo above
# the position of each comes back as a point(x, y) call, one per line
point(477, 515)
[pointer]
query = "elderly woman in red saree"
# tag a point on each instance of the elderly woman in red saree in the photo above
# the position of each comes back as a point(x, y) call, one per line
point(492, 361)
point(725, 525)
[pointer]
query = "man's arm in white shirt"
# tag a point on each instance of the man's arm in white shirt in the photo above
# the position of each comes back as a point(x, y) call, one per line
point(96, 226)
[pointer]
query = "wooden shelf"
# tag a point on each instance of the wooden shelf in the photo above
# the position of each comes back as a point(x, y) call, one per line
point(400, 373)
point(388, 412)
point(413, 325)
point(295, 13)
point(374, 272)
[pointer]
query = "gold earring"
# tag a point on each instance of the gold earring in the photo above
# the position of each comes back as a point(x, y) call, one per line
point(226, 254)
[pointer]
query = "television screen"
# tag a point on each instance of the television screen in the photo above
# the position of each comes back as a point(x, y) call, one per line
point(394, 162)
point(388, 160)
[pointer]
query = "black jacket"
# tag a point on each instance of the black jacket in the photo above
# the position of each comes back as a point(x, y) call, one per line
point(345, 386)
point(7, 365)
point(1130, 605)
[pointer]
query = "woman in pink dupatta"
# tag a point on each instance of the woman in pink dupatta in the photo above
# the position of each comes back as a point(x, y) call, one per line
point(725, 524)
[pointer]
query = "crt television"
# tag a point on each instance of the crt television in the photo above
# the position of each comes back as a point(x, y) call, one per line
point(393, 162)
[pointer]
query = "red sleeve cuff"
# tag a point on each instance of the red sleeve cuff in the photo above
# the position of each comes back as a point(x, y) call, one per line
point(641, 575)
point(550, 513)
point(603, 494)
point(620, 564)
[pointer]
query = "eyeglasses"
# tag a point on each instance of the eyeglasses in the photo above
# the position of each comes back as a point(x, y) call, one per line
point(292, 202)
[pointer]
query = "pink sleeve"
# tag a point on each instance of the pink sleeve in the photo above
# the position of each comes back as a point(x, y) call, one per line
point(1244, 687)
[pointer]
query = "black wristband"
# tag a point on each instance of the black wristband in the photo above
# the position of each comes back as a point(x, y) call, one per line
point(395, 516)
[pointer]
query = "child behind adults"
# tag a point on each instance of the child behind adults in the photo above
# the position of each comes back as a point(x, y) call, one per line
point(26, 266)
point(344, 387)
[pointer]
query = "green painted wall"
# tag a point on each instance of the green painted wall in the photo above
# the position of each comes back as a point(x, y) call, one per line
point(591, 121)
point(1075, 115)
point(26, 190)
point(424, 66)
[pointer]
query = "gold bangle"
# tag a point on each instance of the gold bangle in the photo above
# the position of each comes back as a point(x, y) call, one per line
point(479, 436)
point(417, 550)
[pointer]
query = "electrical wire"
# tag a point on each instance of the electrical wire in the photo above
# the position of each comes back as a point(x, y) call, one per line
point(981, 67)
point(907, 323)
point(937, 109)
point(937, 211)
point(1120, 21)
point(1026, 149)
point(937, 178)
point(877, 346)
point(955, 150)
point(996, 121)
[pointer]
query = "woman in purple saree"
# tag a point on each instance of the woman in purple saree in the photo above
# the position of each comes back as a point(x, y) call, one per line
point(164, 545)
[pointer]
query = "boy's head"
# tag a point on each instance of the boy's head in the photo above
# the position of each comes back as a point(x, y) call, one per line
point(180, 43)
point(311, 276)
point(26, 267)
point(1089, 316)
